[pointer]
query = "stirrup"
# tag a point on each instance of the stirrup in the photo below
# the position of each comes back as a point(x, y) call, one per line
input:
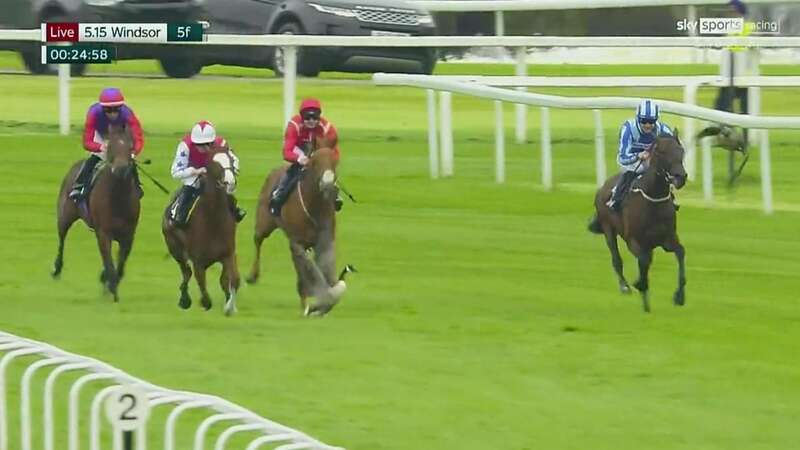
point(76, 193)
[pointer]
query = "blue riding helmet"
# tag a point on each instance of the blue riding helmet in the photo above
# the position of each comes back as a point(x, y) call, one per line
point(647, 110)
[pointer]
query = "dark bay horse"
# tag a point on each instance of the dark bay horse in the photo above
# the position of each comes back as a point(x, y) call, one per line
point(648, 217)
point(309, 221)
point(210, 234)
point(112, 208)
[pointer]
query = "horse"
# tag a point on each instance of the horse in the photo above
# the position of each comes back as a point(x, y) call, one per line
point(210, 234)
point(308, 220)
point(648, 218)
point(111, 208)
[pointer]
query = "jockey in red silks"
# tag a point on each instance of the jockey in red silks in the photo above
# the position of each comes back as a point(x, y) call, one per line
point(109, 110)
point(191, 160)
point(297, 141)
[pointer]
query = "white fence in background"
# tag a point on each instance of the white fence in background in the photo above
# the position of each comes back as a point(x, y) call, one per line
point(484, 87)
point(520, 43)
point(241, 419)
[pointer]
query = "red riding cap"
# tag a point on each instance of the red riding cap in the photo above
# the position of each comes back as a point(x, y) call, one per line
point(310, 103)
point(111, 97)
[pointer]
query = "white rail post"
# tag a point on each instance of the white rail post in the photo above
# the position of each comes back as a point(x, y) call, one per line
point(289, 82)
point(63, 99)
point(708, 172)
point(446, 132)
point(521, 108)
point(754, 95)
point(433, 142)
point(547, 157)
point(599, 147)
point(499, 24)
point(499, 144)
point(766, 172)
point(690, 158)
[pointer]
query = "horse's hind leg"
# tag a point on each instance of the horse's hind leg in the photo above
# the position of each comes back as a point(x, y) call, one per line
point(616, 261)
point(642, 284)
point(67, 215)
point(265, 225)
point(109, 273)
point(679, 298)
point(229, 281)
point(200, 275)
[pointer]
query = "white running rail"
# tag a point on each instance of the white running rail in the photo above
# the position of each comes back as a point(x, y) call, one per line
point(239, 419)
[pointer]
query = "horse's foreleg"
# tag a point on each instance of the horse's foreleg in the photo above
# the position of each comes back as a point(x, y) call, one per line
point(125, 246)
point(616, 261)
point(679, 298)
point(229, 281)
point(185, 301)
point(645, 257)
point(66, 217)
point(109, 274)
point(325, 258)
point(200, 275)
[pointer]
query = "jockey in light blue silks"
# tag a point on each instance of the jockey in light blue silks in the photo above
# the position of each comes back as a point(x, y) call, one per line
point(635, 137)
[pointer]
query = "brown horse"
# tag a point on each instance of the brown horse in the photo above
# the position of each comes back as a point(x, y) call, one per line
point(648, 216)
point(112, 208)
point(309, 221)
point(210, 234)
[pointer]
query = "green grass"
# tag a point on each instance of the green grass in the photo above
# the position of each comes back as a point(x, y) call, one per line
point(484, 316)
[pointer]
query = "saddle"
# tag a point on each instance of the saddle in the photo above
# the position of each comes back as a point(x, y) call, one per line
point(83, 203)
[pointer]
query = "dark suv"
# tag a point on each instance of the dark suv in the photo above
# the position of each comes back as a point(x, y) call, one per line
point(323, 17)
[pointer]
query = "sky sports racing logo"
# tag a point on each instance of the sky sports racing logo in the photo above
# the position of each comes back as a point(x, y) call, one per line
point(727, 25)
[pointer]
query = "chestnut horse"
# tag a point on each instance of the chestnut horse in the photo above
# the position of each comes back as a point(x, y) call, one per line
point(210, 234)
point(648, 217)
point(111, 208)
point(309, 221)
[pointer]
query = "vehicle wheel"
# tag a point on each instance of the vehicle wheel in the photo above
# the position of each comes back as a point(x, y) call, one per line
point(305, 64)
point(180, 67)
point(33, 57)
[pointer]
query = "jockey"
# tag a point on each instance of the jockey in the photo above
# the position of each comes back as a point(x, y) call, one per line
point(299, 136)
point(109, 110)
point(190, 162)
point(635, 137)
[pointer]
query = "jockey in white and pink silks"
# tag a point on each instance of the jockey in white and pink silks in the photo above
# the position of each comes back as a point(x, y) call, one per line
point(109, 110)
point(191, 159)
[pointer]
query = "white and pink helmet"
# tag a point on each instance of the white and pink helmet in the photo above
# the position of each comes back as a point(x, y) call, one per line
point(203, 132)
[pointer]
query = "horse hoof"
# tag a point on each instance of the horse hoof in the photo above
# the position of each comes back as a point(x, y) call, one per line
point(251, 279)
point(640, 286)
point(206, 307)
point(185, 302)
point(230, 308)
point(625, 289)
point(679, 299)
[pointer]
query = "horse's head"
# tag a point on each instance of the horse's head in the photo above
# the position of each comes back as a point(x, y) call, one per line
point(322, 166)
point(667, 159)
point(222, 169)
point(118, 155)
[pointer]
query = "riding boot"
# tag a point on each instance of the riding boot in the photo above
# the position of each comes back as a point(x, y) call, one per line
point(182, 206)
point(282, 191)
point(139, 189)
point(83, 178)
point(238, 213)
point(618, 193)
